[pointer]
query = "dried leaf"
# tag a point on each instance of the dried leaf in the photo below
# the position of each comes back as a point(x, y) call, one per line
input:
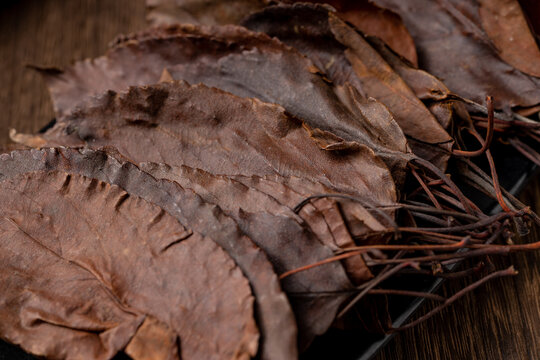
point(453, 47)
point(205, 128)
point(424, 85)
point(207, 12)
point(237, 198)
point(280, 233)
point(344, 55)
point(274, 316)
point(238, 61)
point(506, 26)
point(85, 263)
point(375, 21)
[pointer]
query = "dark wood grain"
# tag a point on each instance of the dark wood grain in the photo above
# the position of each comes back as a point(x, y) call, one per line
point(498, 321)
point(52, 32)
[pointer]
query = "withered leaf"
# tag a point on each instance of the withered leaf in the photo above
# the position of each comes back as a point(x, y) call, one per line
point(206, 128)
point(375, 21)
point(506, 26)
point(345, 56)
point(223, 134)
point(218, 132)
point(207, 12)
point(273, 313)
point(84, 263)
point(241, 62)
point(424, 85)
point(237, 198)
point(452, 46)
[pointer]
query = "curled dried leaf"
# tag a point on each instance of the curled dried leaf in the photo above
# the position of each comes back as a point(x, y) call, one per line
point(375, 21)
point(345, 56)
point(506, 26)
point(72, 278)
point(239, 61)
point(452, 46)
point(273, 313)
point(173, 123)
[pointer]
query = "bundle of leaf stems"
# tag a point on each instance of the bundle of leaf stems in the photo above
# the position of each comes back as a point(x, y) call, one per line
point(462, 231)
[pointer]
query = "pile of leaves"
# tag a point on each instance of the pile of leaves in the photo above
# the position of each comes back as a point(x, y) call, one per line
point(246, 174)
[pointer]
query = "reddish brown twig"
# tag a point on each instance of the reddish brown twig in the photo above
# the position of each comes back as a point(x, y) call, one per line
point(426, 188)
point(507, 272)
point(478, 250)
point(406, 293)
point(489, 135)
point(446, 275)
point(463, 243)
point(362, 202)
point(370, 292)
point(498, 192)
point(525, 150)
point(371, 284)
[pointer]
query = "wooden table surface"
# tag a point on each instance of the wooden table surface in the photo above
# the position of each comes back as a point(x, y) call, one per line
point(498, 321)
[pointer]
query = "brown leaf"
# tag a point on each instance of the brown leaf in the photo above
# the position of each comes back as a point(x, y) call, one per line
point(152, 341)
point(506, 26)
point(273, 313)
point(375, 21)
point(207, 12)
point(237, 198)
point(280, 233)
point(85, 263)
point(345, 56)
point(424, 85)
point(205, 128)
point(453, 47)
point(236, 60)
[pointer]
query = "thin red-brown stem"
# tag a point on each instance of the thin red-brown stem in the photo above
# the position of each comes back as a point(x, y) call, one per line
point(477, 225)
point(430, 218)
point(371, 284)
point(450, 200)
point(472, 204)
point(534, 136)
point(435, 182)
point(463, 243)
point(494, 176)
point(496, 186)
point(507, 272)
point(511, 199)
point(525, 150)
point(426, 188)
point(448, 275)
point(431, 210)
point(318, 263)
point(370, 292)
point(362, 202)
point(406, 293)
point(509, 123)
point(423, 232)
point(426, 164)
point(489, 135)
point(477, 250)
point(496, 129)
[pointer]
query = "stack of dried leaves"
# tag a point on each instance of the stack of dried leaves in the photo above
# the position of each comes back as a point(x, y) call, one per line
point(217, 191)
